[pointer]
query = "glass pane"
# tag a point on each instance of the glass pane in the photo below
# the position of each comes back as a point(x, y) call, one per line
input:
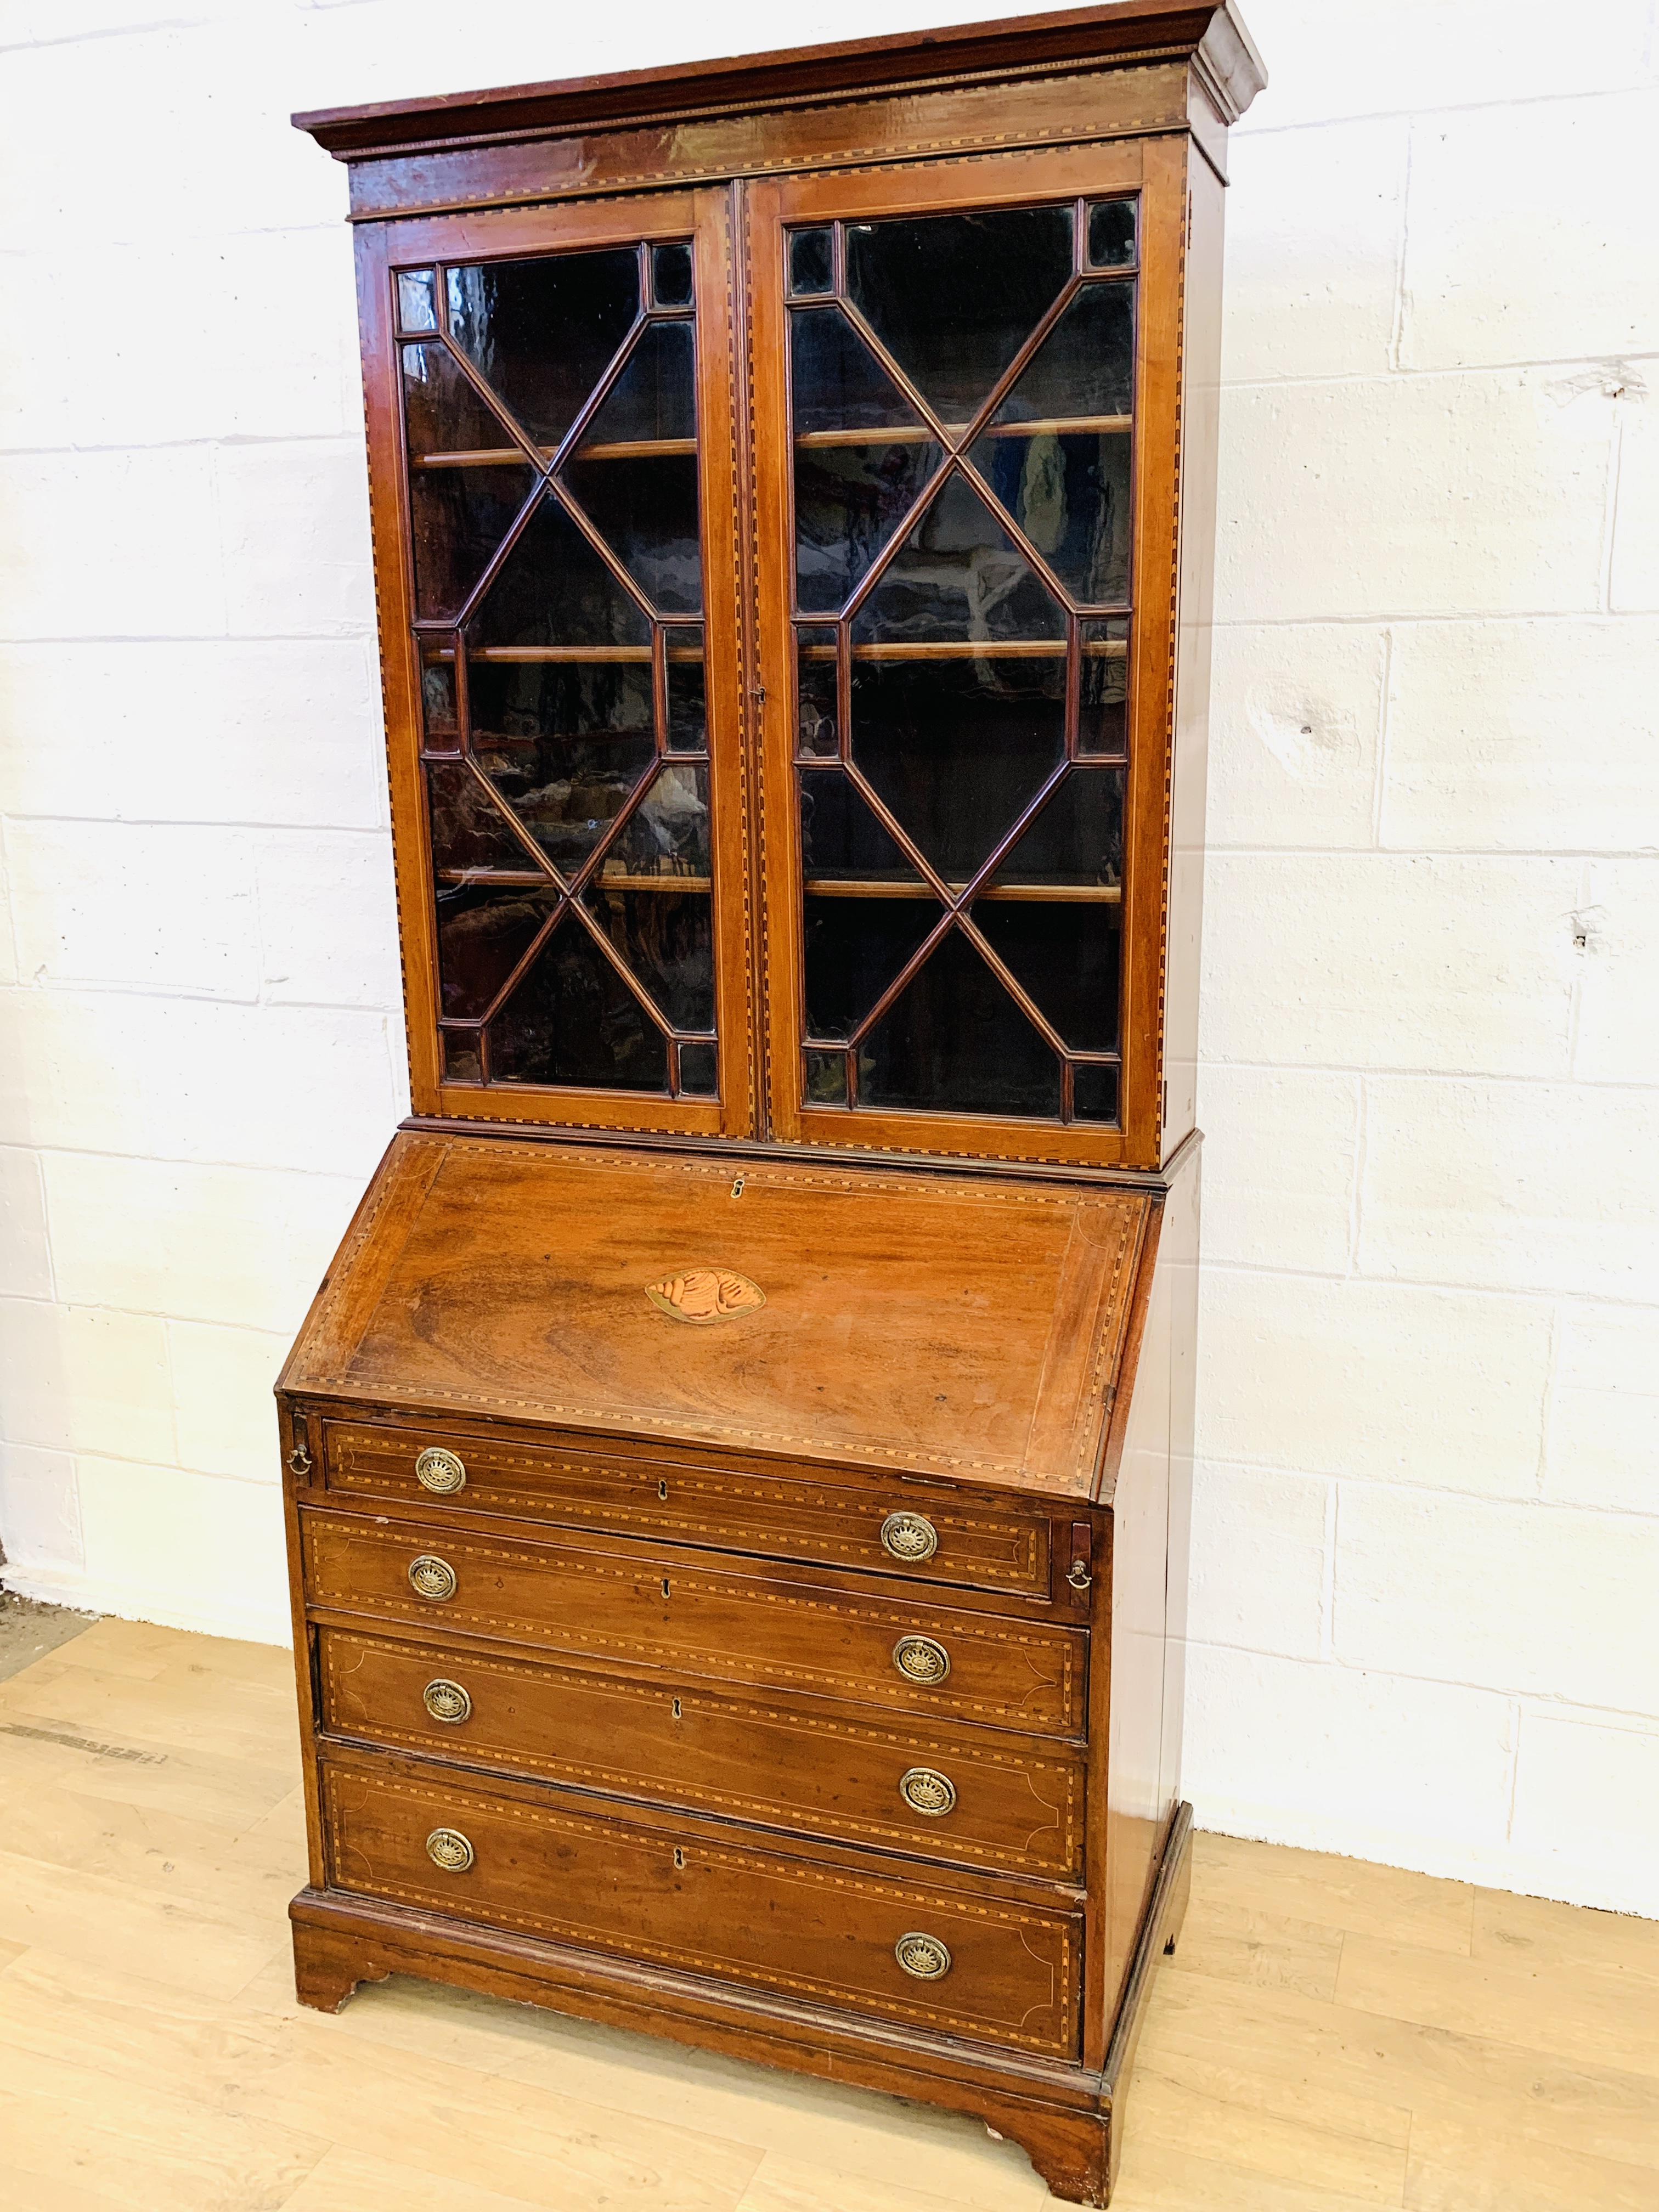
point(461, 1061)
point(688, 693)
point(848, 501)
point(654, 397)
point(1084, 369)
point(1111, 233)
point(543, 332)
point(469, 831)
point(438, 712)
point(417, 300)
point(699, 1070)
point(1104, 688)
point(577, 740)
point(670, 276)
point(1078, 838)
point(482, 934)
point(667, 833)
point(555, 591)
point(953, 297)
point(823, 1078)
point(666, 939)
point(958, 577)
point(816, 709)
point(1071, 497)
point(572, 1019)
point(811, 262)
point(1067, 955)
point(835, 382)
point(853, 948)
point(954, 1040)
point(443, 413)
point(458, 517)
point(841, 837)
point(1094, 1093)
point(957, 748)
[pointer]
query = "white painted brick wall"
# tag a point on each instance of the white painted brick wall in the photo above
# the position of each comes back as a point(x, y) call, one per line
point(1427, 1516)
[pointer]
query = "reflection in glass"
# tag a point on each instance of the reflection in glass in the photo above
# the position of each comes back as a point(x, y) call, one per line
point(542, 332)
point(458, 517)
point(1078, 838)
point(954, 1040)
point(417, 300)
point(666, 939)
point(1094, 1093)
point(1085, 366)
point(1067, 957)
point(572, 1019)
point(848, 501)
point(835, 382)
point(670, 276)
point(1104, 689)
point(443, 412)
point(1071, 497)
point(699, 1072)
point(469, 831)
point(959, 576)
point(953, 297)
point(688, 693)
point(811, 262)
point(667, 833)
point(554, 590)
point(645, 510)
point(438, 712)
point(817, 712)
point(483, 932)
point(841, 837)
point(852, 949)
point(1111, 233)
point(461, 1061)
point(823, 1078)
point(957, 748)
point(567, 788)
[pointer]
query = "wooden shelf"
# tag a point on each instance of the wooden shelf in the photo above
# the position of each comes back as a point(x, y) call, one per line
point(920, 434)
point(494, 457)
point(879, 887)
point(1106, 648)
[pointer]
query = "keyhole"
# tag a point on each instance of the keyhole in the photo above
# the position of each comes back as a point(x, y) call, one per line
point(662, 1490)
point(737, 1188)
point(664, 1585)
point(680, 1857)
point(677, 1709)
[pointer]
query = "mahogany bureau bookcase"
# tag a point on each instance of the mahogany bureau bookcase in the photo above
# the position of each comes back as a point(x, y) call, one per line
point(737, 1465)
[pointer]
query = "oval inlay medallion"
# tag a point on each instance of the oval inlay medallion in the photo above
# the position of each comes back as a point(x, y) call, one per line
point(702, 1294)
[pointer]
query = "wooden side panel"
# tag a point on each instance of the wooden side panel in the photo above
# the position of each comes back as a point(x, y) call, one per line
point(1178, 1253)
point(1201, 405)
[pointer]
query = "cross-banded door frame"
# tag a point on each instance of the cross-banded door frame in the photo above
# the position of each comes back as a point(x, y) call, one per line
point(1154, 170)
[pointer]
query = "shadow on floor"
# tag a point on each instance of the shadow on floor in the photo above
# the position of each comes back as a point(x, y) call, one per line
point(28, 1631)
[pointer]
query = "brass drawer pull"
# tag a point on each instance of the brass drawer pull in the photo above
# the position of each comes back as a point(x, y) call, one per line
point(448, 1847)
point(447, 1701)
point(923, 1956)
point(909, 1536)
point(919, 1659)
point(926, 1791)
point(432, 1577)
point(439, 1471)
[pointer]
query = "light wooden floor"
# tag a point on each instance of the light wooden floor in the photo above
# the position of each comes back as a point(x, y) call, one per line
point(1330, 2036)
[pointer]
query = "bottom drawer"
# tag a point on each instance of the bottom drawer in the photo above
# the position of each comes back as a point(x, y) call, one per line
point(940, 1959)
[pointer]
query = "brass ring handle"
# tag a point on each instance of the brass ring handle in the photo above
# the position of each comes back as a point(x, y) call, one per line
point(447, 1701)
point(922, 1660)
point(430, 1576)
point(926, 1791)
point(439, 1471)
point(909, 1536)
point(923, 1956)
point(449, 1848)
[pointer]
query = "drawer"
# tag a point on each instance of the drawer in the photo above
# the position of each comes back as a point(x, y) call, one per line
point(985, 1545)
point(681, 1613)
point(961, 1794)
point(989, 1968)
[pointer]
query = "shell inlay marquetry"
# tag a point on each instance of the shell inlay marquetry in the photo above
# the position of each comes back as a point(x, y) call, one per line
point(702, 1294)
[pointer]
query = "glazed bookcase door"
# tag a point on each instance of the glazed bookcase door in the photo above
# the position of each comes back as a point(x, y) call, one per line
point(965, 454)
point(550, 455)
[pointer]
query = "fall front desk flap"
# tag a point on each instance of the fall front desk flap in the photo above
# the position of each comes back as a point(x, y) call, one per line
point(962, 1326)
